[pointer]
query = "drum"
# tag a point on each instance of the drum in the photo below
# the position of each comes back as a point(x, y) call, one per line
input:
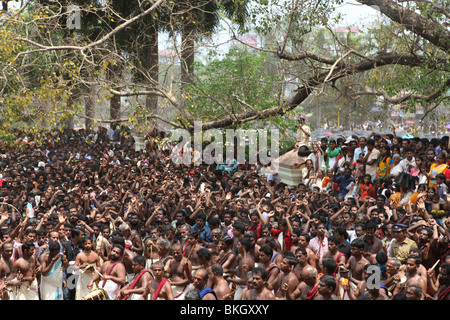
point(97, 294)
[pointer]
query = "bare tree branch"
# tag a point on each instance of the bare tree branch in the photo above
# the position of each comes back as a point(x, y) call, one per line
point(403, 98)
point(433, 32)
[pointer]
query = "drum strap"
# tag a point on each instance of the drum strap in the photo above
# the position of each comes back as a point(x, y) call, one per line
point(110, 270)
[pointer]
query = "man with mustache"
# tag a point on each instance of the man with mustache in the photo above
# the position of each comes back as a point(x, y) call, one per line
point(85, 261)
point(158, 287)
point(113, 273)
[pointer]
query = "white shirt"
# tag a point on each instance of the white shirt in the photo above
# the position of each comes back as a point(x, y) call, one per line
point(304, 136)
point(357, 152)
point(405, 163)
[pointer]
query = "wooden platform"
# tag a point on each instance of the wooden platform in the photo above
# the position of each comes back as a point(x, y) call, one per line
point(285, 167)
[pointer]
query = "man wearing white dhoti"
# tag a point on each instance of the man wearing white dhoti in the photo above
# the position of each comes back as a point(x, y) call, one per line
point(85, 263)
point(112, 274)
point(52, 263)
point(27, 267)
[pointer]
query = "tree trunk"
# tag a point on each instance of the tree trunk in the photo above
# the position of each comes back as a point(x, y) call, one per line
point(152, 62)
point(187, 50)
point(89, 106)
point(114, 103)
point(114, 107)
point(319, 114)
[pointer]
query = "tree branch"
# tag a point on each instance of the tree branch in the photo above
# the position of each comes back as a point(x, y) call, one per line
point(401, 99)
point(43, 48)
point(416, 23)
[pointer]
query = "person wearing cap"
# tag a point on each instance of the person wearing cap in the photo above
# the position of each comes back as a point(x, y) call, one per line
point(401, 245)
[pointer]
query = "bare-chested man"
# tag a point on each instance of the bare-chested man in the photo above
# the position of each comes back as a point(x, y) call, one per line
point(265, 256)
point(164, 247)
point(412, 276)
point(372, 292)
point(135, 289)
point(113, 272)
point(394, 277)
point(308, 288)
point(443, 292)
point(27, 268)
point(179, 273)
point(287, 280)
point(245, 263)
point(7, 273)
point(301, 255)
point(259, 290)
point(151, 249)
point(227, 258)
point(357, 261)
point(86, 261)
point(333, 252)
point(192, 249)
point(158, 288)
point(327, 287)
point(52, 262)
point(303, 241)
point(219, 284)
point(127, 256)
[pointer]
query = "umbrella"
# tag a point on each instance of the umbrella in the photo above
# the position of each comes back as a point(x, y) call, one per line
point(447, 126)
point(328, 133)
point(409, 122)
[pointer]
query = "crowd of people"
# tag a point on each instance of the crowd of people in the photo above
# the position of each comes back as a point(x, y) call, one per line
point(86, 216)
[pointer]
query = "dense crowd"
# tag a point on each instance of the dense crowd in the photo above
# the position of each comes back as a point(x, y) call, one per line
point(86, 216)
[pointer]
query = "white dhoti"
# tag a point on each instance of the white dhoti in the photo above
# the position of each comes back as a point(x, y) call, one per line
point(28, 291)
point(239, 289)
point(51, 287)
point(148, 264)
point(82, 283)
point(135, 296)
point(180, 291)
point(110, 287)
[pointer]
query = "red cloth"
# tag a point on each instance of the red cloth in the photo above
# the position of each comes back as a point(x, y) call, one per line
point(340, 254)
point(158, 290)
point(110, 270)
point(185, 247)
point(135, 281)
point(256, 230)
point(311, 293)
point(287, 239)
point(444, 294)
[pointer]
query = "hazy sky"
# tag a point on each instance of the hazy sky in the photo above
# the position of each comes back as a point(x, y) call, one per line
point(356, 13)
